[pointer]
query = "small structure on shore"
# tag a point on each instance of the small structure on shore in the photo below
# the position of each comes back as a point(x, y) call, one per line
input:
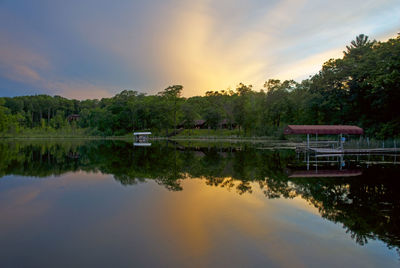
point(73, 117)
point(196, 124)
point(323, 130)
point(202, 124)
point(142, 138)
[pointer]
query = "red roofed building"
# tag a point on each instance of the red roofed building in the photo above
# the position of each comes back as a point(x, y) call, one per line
point(73, 117)
point(323, 129)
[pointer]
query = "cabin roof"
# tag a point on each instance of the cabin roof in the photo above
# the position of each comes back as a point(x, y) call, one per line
point(224, 121)
point(323, 129)
point(199, 122)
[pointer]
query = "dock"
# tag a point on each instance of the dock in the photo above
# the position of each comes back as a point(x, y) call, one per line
point(331, 147)
point(141, 136)
point(351, 151)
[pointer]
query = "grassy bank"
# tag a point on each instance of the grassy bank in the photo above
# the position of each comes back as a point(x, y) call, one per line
point(50, 133)
point(88, 133)
point(197, 136)
point(221, 134)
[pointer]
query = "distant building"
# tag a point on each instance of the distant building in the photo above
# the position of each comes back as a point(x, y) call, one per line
point(226, 124)
point(73, 117)
point(202, 124)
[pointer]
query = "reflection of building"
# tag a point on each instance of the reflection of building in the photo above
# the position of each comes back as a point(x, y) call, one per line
point(141, 144)
point(324, 173)
point(74, 155)
point(323, 166)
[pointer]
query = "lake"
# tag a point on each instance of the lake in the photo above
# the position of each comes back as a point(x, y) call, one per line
point(109, 203)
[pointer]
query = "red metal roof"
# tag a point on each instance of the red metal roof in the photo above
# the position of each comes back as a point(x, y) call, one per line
point(323, 129)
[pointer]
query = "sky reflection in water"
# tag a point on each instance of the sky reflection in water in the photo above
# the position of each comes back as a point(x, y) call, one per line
point(87, 215)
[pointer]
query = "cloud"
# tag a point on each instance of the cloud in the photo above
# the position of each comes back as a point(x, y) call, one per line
point(206, 46)
point(22, 65)
point(310, 65)
point(203, 45)
point(79, 90)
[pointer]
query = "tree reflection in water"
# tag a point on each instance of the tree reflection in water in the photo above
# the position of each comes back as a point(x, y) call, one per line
point(367, 206)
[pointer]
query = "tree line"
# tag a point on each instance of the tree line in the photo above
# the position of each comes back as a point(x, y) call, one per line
point(361, 88)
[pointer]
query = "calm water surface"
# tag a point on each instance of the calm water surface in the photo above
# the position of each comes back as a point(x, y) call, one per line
point(111, 204)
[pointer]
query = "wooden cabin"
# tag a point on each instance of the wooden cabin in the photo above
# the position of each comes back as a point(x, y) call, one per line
point(73, 117)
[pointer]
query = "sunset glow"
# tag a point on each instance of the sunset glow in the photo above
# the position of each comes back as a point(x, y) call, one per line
point(95, 49)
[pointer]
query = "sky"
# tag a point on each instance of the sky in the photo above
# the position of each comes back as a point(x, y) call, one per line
point(97, 48)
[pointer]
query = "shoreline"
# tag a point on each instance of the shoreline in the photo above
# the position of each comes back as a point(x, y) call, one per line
point(211, 138)
point(270, 142)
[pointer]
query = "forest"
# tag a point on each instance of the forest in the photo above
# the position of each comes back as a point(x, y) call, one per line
point(361, 88)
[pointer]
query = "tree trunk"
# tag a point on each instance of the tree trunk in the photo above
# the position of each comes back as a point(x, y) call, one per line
point(175, 117)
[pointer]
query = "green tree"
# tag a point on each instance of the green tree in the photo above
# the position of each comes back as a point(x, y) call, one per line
point(172, 94)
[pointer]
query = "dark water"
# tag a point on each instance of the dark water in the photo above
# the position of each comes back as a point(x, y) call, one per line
point(110, 204)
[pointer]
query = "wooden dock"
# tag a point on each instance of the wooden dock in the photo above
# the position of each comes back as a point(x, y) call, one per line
point(354, 151)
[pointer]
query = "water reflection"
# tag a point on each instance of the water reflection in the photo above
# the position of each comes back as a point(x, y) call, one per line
point(358, 192)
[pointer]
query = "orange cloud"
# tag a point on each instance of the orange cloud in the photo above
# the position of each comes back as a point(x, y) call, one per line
point(203, 45)
point(308, 66)
point(19, 64)
point(25, 66)
point(78, 89)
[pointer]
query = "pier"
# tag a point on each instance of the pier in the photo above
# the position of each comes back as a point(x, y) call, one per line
point(142, 138)
point(334, 151)
point(331, 146)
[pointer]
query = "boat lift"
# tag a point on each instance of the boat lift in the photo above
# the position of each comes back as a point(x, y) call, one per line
point(141, 138)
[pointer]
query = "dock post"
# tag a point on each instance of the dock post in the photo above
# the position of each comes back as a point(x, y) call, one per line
point(341, 162)
point(341, 142)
